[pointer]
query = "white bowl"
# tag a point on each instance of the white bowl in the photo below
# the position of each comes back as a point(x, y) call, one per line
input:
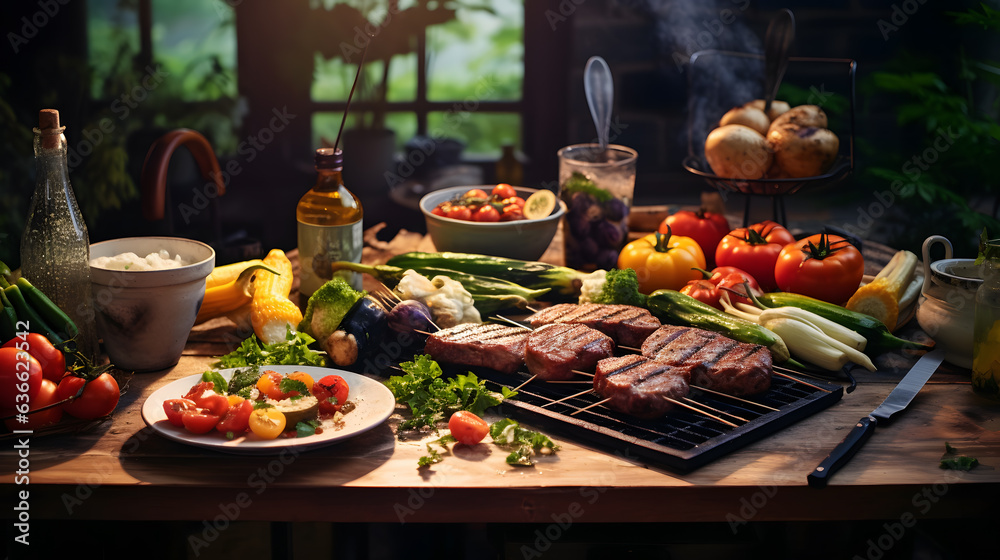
point(518, 239)
point(144, 316)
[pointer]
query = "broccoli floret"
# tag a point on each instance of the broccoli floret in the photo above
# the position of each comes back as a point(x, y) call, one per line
point(327, 308)
point(621, 287)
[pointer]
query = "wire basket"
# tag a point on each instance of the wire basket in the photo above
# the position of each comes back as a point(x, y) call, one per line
point(721, 80)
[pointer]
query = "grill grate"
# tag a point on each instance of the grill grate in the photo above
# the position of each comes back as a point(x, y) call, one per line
point(682, 440)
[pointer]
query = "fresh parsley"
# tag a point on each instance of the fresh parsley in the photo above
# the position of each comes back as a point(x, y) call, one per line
point(433, 455)
point(432, 399)
point(578, 182)
point(960, 463)
point(294, 350)
point(524, 443)
point(288, 385)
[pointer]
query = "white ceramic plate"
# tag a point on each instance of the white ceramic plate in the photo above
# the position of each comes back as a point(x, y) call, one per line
point(373, 404)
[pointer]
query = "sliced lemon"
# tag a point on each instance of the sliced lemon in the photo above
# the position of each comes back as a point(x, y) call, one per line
point(540, 204)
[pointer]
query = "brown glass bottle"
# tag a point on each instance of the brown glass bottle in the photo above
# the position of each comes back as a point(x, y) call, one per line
point(329, 225)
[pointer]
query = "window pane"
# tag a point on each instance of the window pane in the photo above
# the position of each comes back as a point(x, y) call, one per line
point(195, 41)
point(478, 55)
point(113, 39)
point(326, 124)
point(333, 79)
point(482, 133)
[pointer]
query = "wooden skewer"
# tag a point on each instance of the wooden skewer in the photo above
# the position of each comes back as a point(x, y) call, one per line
point(631, 349)
point(699, 411)
point(529, 380)
point(583, 373)
point(589, 406)
point(721, 394)
point(579, 382)
point(580, 394)
point(532, 309)
point(511, 321)
point(786, 376)
point(717, 411)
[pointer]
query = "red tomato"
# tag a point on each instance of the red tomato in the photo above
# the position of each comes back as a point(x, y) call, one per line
point(512, 212)
point(733, 279)
point(476, 193)
point(754, 249)
point(704, 291)
point(486, 213)
point(503, 190)
point(822, 266)
point(331, 392)
point(99, 398)
point(20, 379)
point(52, 360)
point(46, 396)
point(441, 209)
point(457, 212)
point(269, 385)
point(175, 409)
point(467, 427)
point(236, 419)
point(199, 421)
point(706, 228)
point(513, 200)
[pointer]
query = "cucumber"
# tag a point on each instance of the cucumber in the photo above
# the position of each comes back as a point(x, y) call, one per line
point(531, 274)
point(48, 310)
point(879, 338)
point(27, 314)
point(8, 319)
point(677, 308)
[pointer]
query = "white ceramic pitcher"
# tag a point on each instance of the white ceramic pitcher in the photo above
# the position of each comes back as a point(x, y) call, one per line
point(947, 307)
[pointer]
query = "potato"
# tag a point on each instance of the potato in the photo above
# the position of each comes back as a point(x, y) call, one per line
point(803, 116)
point(777, 107)
point(747, 116)
point(803, 151)
point(737, 151)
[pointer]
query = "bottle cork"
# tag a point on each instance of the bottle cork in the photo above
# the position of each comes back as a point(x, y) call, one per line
point(48, 123)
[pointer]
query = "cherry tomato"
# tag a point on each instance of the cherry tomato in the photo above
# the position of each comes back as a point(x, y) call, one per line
point(512, 212)
point(822, 266)
point(754, 249)
point(441, 209)
point(199, 421)
point(457, 212)
point(196, 391)
point(52, 360)
point(46, 396)
point(236, 419)
point(475, 193)
point(467, 427)
point(302, 376)
point(269, 385)
point(20, 379)
point(267, 423)
point(706, 228)
point(204, 396)
point(704, 291)
point(99, 398)
point(503, 190)
point(175, 409)
point(331, 392)
point(486, 213)
point(513, 200)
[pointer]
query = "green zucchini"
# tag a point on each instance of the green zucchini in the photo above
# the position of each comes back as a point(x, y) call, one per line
point(677, 308)
point(27, 314)
point(8, 319)
point(48, 310)
point(879, 338)
point(561, 280)
point(474, 283)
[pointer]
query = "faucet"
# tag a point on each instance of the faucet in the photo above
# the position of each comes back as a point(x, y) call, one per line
point(155, 197)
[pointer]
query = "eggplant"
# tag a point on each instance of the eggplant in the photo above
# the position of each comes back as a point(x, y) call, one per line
point(409, 316)
point(358, 334)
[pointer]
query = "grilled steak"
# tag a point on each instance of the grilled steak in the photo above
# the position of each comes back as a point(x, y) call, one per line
point(488, 345)
point(637, 385)
point(731, 367)
point(626, 324)
point(555, 350)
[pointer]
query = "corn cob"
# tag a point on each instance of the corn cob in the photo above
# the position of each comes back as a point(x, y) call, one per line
point(271, 312)
point(880, 298)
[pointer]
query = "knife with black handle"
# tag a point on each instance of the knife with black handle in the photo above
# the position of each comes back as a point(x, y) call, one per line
point(897, 400)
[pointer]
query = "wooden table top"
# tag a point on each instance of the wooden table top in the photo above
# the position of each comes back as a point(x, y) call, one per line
point(121, 468)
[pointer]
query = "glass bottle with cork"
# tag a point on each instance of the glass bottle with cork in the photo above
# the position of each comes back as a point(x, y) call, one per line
point(329, 225)
point(55, 247)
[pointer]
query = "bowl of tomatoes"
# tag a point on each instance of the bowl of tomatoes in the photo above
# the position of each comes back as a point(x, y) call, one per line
point(498, 220)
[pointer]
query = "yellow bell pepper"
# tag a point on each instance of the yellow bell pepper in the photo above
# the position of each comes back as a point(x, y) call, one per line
point(220, 299)
point(663, 261)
